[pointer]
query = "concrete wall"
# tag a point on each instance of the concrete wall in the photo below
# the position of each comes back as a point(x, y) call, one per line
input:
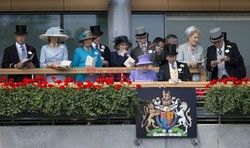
point(118, 136)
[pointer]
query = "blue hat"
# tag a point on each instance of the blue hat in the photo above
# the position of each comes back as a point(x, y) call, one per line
point(144, 59)
point(85, 35)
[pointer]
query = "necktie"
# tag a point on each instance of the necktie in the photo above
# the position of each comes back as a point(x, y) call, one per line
point(220, 51)
point(23, 51)
point(96, 46)
point(144, 49)
point(172, 65)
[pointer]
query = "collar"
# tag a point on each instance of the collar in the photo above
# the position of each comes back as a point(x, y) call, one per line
point(93, 44)
point(222, 48)
point(18, 45)
point(175, 64)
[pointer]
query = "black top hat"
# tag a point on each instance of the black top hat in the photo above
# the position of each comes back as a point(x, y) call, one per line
point(170, 49)
point(21, 29)
point(121, 39)
point(96, 30)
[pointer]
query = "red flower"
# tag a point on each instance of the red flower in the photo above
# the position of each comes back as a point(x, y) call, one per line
point(109, 81)
point(100, 80)
point(138, 85)
point(50, 85)
point(58, 81)
point(245, 80)
point(53, 78)
point(117, 86)
point(97, 86)
point(38, 77)
point(61, 87)
point(124, 76)
point(225, 81)
point(3, 78)
point(89, 84)
point(121, 81)
point(129, 81)
point(213, 82)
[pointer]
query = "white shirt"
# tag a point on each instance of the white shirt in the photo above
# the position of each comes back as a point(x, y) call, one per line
point(19, 49)
point(94, 45)
point(173, 71)
point(221, 66)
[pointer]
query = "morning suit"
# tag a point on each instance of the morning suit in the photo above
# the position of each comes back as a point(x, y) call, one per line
point(104, 50)
point(183, 74)
point(11, 57)
point(156, 58)
point(235, 67)
point(137, 51)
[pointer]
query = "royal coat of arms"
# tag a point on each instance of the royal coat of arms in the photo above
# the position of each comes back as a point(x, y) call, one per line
point(166, 116)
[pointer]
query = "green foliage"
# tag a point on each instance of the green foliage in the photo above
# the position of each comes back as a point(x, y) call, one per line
point(221, 100)
point(69, 101)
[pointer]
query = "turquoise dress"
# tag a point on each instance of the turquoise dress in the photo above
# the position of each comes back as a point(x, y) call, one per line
point(79, 61)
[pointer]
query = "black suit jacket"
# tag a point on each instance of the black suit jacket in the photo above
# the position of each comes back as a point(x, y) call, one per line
point(10, 58)
point(235, 67)
point(164, 74)
point(105, 53)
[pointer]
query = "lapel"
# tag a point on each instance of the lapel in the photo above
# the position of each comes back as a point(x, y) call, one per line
point(214, 53)
point(14, 52)
point(168, 71)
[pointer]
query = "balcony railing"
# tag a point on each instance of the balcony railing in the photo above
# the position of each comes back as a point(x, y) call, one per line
point(202, 116)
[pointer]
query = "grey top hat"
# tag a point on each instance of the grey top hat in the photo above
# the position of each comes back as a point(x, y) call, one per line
point(216, 34)
point(140, 31)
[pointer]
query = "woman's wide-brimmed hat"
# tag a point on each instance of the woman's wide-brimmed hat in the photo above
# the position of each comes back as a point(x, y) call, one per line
point(170, 49)
point(87, 34)
point(121, 39)
point(144, 59)
point(54, 32)
point(215, 34)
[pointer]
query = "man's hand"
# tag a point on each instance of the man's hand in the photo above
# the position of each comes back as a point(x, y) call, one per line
point(30, 65)
point(104, 62)
point(19, 65)
point(214, 63)
point(225, 59)
point(158, 49)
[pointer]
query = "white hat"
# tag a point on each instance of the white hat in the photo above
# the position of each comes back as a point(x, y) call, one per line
point(216, 34)
point(56, 32)
point(189, 30)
